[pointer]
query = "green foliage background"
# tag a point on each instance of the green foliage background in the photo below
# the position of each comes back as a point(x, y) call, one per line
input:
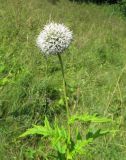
point(31, 89)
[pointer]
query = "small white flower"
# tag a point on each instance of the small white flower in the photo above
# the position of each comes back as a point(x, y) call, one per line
point(54, 38)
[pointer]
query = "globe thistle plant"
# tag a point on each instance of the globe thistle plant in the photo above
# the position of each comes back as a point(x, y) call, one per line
point(54, 38)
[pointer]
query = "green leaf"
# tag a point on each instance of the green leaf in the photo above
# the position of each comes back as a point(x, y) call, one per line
point(57, 136)
point(97, 133)
point(59, 139)
point(88, 118)
point(47, 126)
point(69, 156)
point(61, 148)
point(79, 148)
point(36, 130)
point(41, 130)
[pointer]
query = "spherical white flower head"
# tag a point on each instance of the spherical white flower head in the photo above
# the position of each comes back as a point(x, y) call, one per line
point(54, 38)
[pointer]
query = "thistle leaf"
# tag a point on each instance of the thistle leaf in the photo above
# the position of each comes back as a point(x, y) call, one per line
point(79, 147)
point(88, 118)
point(41, 130)
point(58, 136)
point(97, 133)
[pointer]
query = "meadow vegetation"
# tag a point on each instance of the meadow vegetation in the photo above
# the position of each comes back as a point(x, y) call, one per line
point(30, 84)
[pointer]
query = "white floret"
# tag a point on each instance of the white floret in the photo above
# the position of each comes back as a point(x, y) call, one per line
point(54, 38)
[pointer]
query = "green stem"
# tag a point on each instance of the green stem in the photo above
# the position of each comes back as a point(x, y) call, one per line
point(65, 96)
point(46, 72)
point(64, 85)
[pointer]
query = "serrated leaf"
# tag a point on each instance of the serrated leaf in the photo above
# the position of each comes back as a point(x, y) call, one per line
point(36, 130)
point(97, 133)
point(59, 139)
point(41, 130)
point(69, 156)
point(61, 148)
point(57, 136)
point(88, 118)
point(47, 125)
point(79, 147)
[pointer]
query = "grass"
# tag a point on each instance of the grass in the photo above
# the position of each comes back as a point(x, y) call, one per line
point(30, 87)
